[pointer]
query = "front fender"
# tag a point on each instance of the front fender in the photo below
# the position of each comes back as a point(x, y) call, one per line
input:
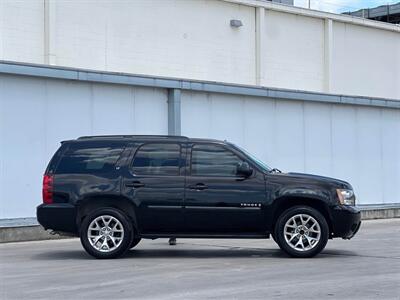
point(287, 197)
point(303, 192)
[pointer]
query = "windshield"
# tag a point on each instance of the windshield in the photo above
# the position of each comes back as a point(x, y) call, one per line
point(254, 159)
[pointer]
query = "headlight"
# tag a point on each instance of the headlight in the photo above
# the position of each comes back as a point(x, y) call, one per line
point(346, 197)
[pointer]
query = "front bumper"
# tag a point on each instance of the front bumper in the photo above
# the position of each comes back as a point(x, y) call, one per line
point(57, 216)
point(346, 221)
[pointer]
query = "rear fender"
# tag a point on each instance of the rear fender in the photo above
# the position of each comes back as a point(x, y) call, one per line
point(87, 205)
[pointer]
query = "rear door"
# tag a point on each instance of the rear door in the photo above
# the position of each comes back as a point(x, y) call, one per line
point(155, 183)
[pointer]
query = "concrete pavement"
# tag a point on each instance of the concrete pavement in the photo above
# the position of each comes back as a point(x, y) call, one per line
point(367, 267)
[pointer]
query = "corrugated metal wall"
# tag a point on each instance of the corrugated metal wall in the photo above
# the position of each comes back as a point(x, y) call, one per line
point(357, 143)
point(354, 143)
point(36, 114)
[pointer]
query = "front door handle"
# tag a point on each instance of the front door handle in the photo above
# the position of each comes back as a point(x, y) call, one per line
point(198, 186)
point(134, 184)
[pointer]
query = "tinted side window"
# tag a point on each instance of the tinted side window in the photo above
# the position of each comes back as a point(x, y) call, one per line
point(157, 159)
point(90, 158)
point(213, 160)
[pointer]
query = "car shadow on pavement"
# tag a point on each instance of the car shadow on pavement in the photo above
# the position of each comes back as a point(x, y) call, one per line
point(61, 255)
point(227, 253)
point(338, 252)
point(204, 253)
point(166, 253)
point(188, 253)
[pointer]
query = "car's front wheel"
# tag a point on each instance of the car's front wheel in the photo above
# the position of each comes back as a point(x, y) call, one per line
point(134, 242)
point(106, 233)
point(301, 231)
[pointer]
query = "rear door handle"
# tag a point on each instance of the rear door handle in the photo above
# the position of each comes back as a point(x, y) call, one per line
point(198, 186)
point(134, 184)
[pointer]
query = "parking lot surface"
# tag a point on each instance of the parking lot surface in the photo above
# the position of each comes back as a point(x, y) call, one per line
point(367, 267)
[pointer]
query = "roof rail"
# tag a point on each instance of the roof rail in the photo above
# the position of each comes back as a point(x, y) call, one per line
point(132, 136)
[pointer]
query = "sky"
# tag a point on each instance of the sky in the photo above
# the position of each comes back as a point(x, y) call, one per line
point(338, 6)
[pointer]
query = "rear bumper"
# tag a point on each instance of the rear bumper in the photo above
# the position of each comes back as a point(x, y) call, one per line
point(57, 216)
point(346, 221)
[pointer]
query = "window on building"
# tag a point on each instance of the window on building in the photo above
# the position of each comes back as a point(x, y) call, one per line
point(157, 159)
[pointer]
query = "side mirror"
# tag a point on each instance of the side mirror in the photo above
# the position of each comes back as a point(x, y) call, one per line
point(243, 169)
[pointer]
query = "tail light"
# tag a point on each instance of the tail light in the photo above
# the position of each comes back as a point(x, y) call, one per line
point(47, 191)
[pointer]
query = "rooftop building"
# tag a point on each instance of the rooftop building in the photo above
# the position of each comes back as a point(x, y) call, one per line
point(384, 13)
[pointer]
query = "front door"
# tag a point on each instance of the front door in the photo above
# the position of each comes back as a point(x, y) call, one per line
point(155, 183)
point(218, 200)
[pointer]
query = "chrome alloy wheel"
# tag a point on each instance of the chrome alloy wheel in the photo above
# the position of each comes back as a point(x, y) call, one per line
point(105, 233)
point(302, 232)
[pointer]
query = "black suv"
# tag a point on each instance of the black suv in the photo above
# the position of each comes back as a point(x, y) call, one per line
point(113, 191)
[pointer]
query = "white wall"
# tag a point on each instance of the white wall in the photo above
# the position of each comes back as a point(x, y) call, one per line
point(354, 143)
point(36, 114)
point(21, 30)
point(294, 51)
point(190, 39)
point(371, 56)
point(193, 39)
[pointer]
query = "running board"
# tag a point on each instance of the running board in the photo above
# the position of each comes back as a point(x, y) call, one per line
point(206, 235)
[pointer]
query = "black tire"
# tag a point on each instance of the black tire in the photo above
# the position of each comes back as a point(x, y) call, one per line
point(125, 242)
point(283, 243)
point(273, 237)
point(134, 242)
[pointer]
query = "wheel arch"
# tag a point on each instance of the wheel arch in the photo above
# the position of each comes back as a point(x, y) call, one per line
point(286, 202)
point(88, 204)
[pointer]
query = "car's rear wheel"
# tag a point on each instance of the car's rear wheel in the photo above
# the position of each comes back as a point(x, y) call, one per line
point(106, 233)
point(301, 231)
